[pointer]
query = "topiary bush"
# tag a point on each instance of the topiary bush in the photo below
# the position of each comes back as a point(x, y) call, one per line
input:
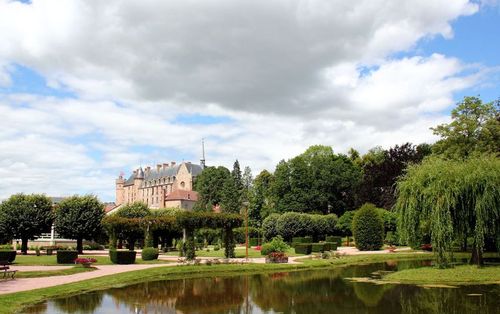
point(276, 245)
point(149, 254)
point(303, 248)
point(329, 246)
point(368, 228)
point(122, 257)
point(8, 256)
point(317, 247)
point(334, 239)
point(66, 257)
point(269, 226)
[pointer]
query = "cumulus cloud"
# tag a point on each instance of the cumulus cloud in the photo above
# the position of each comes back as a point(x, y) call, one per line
point(287, 74)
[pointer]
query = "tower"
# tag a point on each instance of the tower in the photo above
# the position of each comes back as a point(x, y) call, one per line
point(202, 160)
point(120, 191)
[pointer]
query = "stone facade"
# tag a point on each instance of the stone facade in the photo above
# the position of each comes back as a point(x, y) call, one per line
point(166, 185)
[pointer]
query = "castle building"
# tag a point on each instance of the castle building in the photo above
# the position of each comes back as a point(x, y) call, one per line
point(167, 185)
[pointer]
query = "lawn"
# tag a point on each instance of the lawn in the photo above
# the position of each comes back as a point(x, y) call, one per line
point(458, 275)
point(50, 273)
point(239, 251)
point(51, 260)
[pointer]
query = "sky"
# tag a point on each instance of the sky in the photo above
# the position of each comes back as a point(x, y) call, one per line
point(91, 89)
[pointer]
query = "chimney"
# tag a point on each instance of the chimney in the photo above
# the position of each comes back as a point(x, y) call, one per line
point(158, 167)
point(148, 169)
point(165, 165)
point(172, 163)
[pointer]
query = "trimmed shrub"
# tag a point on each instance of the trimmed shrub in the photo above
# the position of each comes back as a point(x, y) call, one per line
point(122, 257)
point(269, 226)
point(303, 248)
point(308, 239)
point(66, 257)
point(317, 247)
point(276, 245)
point(368, 228)
point(293, 224)
point(329, 246)
point(335, 239)
point(8, 256)
point(149, 254)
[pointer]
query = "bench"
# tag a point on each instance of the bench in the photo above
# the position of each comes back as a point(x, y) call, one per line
point(4, 266)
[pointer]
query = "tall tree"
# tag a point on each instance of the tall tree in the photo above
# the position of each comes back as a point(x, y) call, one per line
point(260, 199)
point(381, 168)
point(475, 127)
point(209, 185)
point(25, 217)
point(458, 198)
point(247, 184)
point(231, 197)
point(236, 174)
point(79, 217)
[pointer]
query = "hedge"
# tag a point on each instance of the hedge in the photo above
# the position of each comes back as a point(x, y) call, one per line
point(122, 257)
point(317, 247)
point(66, 257)
point(149, 254)
point(255, 241)
point(8, 256)
point(303, 248)
point(368, 228)
point(334, 239)
point(329, 246)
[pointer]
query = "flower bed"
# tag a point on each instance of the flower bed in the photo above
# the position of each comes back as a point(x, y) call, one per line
point(277, 257)
point(85, 262)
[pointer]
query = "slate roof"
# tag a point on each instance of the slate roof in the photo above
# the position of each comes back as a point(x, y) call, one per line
point(154, 174)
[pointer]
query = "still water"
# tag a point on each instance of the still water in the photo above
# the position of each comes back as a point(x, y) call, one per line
point(318, 291)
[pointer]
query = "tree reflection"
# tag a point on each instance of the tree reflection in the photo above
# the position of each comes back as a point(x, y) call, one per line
point(82, 303)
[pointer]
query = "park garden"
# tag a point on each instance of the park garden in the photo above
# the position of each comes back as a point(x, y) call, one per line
point(431, 205)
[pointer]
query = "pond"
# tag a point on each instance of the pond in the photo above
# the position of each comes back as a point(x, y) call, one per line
point(317, 291)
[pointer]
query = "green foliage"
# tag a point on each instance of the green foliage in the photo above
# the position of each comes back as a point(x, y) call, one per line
point(25, 217)
point(9, 256)
point(149, 254)
point(254, 241)
point(334, 239)
point(66, 257)
point(344, 224)
point(457, 199)
point(329, 246)
point(317, 180)
point(475, 128)
point(134, 210)
point(317, 247)
point(231, 196)
point(303, 248)
point(229, 243)
point(368, 228)
point(122, 257)
point(269, 226)
point(209, 185)
point(276, 245)
point(79, 217)
point(260, 199)
point(239, 233)
point(293, 224)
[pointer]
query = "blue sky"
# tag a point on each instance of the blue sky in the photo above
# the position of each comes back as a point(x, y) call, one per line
point(83, 99)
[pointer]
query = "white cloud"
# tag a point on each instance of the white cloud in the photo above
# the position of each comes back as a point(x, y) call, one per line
point(289, 74)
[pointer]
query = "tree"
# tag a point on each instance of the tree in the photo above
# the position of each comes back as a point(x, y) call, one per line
point(368, 228)
point(209, 185)
point(230, 201)
point(133, 230)
point(344, 224)
point(79, 217)
point(475, 127)
point(459, 198)
point(260, 198)
point(315, 181)
point(236, 174)
point(247, 184)
point(25, 217)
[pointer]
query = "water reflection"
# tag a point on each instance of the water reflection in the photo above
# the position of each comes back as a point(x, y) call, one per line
point(319, 291)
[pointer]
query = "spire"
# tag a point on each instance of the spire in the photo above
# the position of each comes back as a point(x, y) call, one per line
point(202, 160)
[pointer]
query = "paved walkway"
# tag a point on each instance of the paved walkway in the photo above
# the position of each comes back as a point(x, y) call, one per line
point(24, 284)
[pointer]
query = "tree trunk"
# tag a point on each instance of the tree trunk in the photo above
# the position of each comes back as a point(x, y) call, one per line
point(79, 245)
point(24, 246)
point(477, 256)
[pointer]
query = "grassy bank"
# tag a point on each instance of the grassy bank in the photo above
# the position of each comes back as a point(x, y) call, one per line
point(15, 301)
point(459, 275)
point(51, 260)
point(50, 273)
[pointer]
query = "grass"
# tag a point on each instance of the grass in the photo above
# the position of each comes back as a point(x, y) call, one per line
point(459, 275)
point(239, 252)
point(51, 260)
point(50, 273)
point(16, 301)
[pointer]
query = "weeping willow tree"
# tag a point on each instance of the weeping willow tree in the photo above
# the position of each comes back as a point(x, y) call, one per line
point(458, 198)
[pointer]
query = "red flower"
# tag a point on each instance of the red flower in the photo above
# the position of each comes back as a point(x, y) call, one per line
point(85, 260)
